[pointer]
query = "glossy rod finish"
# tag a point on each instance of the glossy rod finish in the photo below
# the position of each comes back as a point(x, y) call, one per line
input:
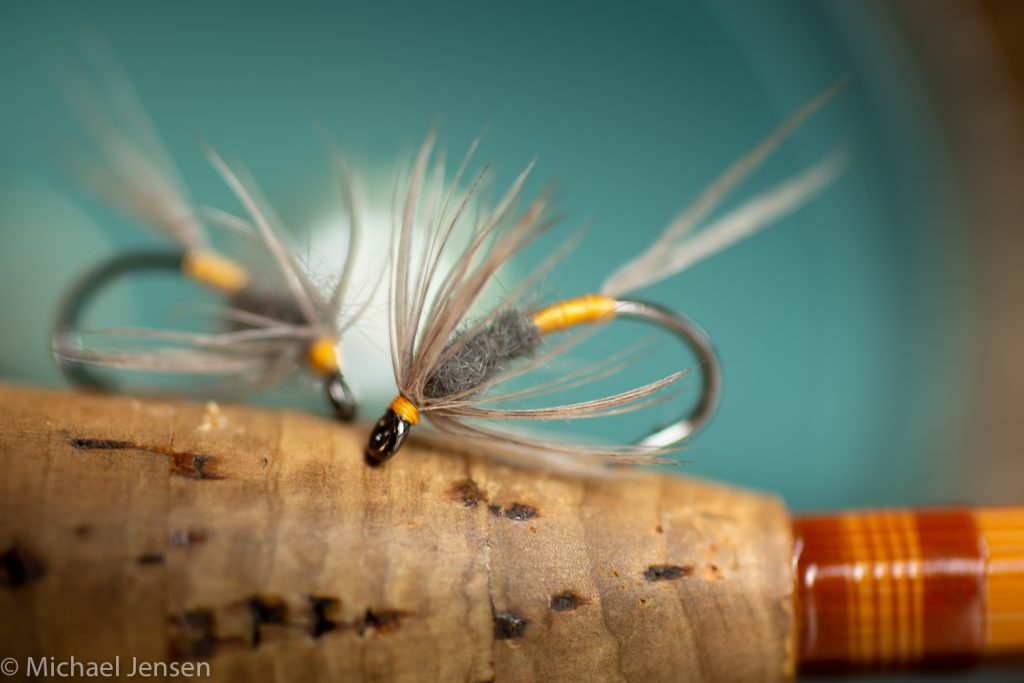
point(908, 588)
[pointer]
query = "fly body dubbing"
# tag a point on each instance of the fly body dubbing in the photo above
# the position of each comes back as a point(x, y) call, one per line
point(477, 356)
point(266, 304)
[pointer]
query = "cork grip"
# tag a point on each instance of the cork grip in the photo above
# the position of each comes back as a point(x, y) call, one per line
point(260, 542)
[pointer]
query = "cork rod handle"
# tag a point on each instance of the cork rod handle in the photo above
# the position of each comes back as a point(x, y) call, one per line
point(259, 541)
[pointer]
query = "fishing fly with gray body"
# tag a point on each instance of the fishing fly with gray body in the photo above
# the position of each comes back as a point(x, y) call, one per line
point(267, 331)
point(450, 371)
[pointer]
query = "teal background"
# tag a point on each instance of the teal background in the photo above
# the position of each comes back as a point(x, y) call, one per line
point(842, 328)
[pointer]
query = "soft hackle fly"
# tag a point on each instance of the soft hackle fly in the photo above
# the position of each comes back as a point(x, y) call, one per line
point(449, 370)
point(270, 329)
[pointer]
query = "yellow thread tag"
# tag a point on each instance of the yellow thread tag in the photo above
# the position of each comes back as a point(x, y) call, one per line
point(214, 270)
point(571, 312)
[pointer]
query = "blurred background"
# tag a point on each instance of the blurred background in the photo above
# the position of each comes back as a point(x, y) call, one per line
point(871, 341)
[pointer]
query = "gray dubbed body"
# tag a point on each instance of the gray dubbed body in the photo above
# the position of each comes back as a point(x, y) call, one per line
point(481, 354)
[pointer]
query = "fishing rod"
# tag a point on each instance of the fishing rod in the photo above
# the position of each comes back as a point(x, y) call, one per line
point(280, 551)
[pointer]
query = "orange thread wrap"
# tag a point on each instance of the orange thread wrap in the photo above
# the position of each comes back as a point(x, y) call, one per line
point(901, 587)
point(405, 409)
point(1002, 530)
point(323, 356)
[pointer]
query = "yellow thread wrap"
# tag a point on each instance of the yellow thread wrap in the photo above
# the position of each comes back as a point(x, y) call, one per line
point(323, 356)
point(214, 270)
point(404, 409)
point(565, 314)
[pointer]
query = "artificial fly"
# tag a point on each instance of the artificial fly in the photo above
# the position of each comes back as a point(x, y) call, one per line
point(447, 370)
point(269, 331)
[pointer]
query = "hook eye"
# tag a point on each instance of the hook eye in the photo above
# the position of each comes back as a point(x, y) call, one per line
point(341, 397)
point(710, 368)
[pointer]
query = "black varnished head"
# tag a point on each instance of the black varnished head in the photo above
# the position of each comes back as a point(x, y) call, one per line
point(341, 397)
point(386, 438)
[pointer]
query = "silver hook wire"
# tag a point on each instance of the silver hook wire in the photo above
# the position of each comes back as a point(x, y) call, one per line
point(710, 368)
